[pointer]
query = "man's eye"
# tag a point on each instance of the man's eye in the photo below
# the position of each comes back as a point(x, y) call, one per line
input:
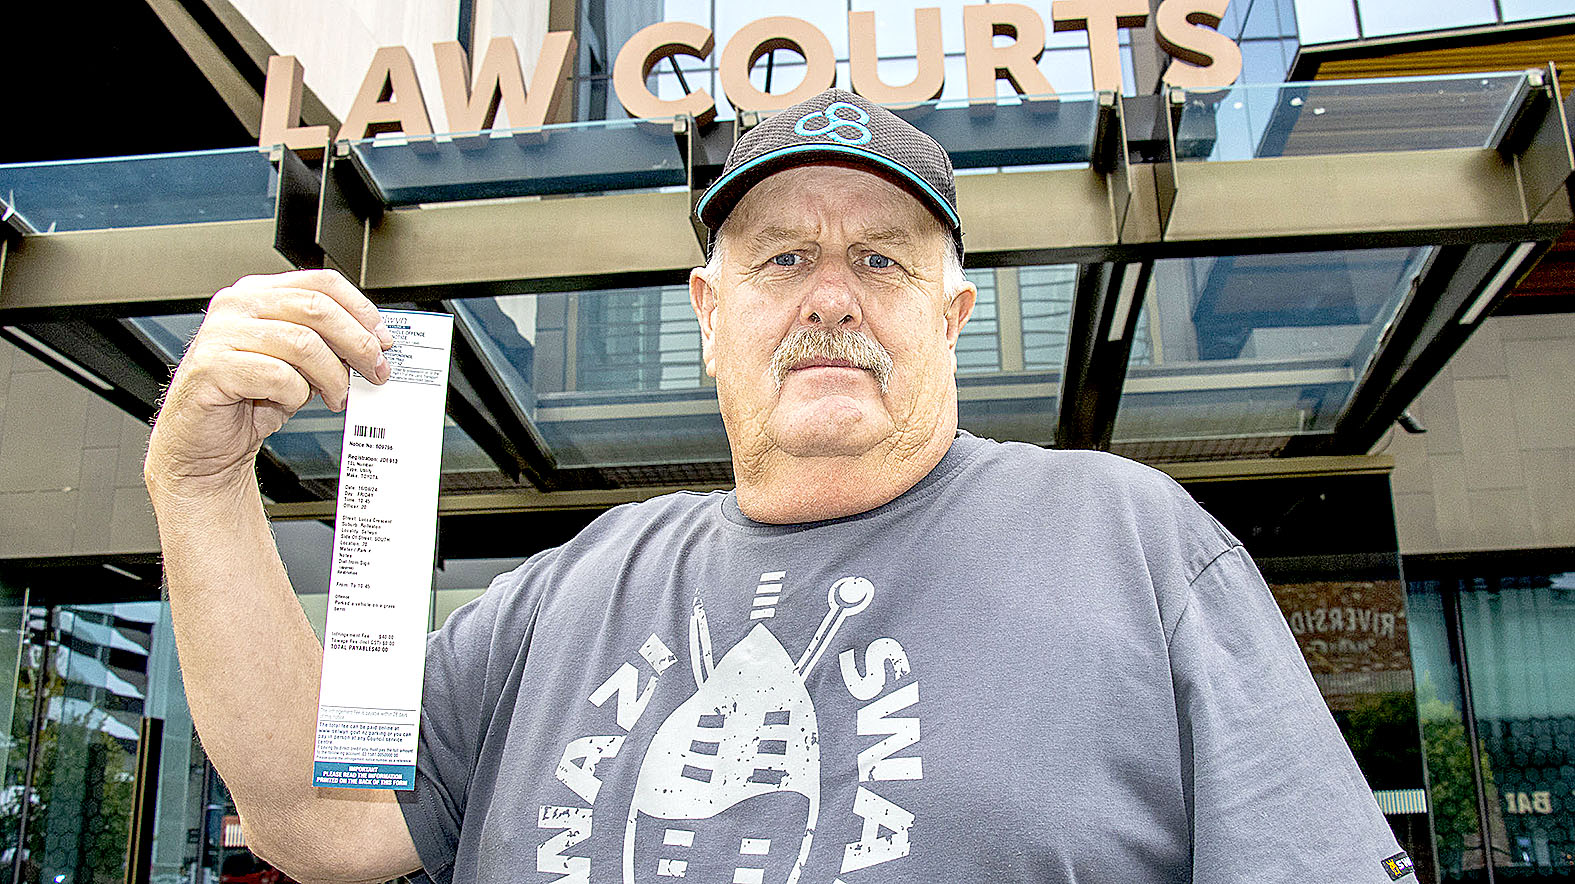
point(880, 262)
point(787, 259)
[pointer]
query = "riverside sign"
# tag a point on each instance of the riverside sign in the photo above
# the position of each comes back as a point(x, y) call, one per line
point(390, 98)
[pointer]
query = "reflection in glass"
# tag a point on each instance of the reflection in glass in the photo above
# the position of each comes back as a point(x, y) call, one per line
point(1344, 116)
point(1259, 344)
point(102, 670)
point(979, 345)
point(13, 619)
point(1046, 294)
point(1445, 742)
point(610, 377)
point(1520, 643)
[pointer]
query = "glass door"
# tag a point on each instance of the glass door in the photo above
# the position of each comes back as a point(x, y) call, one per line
point(99, 769)
point(1520, 636)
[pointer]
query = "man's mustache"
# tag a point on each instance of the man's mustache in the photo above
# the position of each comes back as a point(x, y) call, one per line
point(804, 345)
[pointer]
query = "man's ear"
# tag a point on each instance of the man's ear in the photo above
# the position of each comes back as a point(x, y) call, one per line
point(702, 295)
point(958, 311)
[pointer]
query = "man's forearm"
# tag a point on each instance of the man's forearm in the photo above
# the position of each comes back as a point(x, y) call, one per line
point(249, 658)
point(251, 666)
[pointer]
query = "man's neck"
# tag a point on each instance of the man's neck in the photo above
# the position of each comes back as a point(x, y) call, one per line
point(782, 489)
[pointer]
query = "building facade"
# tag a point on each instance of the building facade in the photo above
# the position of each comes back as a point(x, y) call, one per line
point(1427, 576)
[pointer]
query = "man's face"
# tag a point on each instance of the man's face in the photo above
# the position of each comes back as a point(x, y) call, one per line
point(844, 251)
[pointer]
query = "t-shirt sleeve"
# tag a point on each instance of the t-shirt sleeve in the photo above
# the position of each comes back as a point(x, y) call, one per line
point(1271, 788)
point(456, 703)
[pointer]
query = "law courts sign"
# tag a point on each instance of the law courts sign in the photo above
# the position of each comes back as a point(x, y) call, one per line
point(390, 97)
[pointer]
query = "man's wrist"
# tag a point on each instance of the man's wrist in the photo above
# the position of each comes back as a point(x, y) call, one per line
point(171, 491)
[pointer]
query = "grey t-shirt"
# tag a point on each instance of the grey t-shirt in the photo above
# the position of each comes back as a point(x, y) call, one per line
point(1033, 666)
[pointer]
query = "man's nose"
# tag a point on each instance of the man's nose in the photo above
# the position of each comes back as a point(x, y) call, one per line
point(832, 300)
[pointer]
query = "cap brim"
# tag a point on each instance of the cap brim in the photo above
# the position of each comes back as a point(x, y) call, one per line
point(720, 198)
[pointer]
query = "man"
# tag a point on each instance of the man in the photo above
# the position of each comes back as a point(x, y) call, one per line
point(893, 653)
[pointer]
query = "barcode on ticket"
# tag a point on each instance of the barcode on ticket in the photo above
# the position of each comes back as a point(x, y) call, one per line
point(370, 432)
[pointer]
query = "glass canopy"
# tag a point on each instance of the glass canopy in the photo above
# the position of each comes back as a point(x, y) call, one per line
point(1259, 345)
point(592, 155)
point(1334, 117)
point(1032, 130)
point(590, 383)
point(142, 191)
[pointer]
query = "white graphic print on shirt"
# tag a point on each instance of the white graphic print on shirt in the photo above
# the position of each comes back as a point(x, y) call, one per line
point(745, 745)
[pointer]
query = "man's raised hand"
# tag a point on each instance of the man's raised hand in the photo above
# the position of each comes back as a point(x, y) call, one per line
point(267, 344)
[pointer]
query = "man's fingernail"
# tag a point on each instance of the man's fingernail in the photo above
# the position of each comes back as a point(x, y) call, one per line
point(382, 367)
point(385, 336)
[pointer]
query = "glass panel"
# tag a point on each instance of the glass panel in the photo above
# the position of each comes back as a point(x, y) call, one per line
point(94, 673)
point(1046, 303)
point(1014, 132)
point(607, 378)
point(1345, 116)
point(1259, 344)
point(181, 759)
point(1031, 314)
point(460, 580)
point(106, 672)
point(979, 345)
point(13, 619)
point(583, 157)
point(1520, 649)
point(1381, 18)
point(1263, 20)
point(1445, 743)
point(309, 442)
point(1522, 10)
point(1262, 61)
point(602, 155)
point(140, 191)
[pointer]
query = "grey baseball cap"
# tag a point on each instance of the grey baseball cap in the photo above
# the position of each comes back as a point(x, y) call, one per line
point(836, 126)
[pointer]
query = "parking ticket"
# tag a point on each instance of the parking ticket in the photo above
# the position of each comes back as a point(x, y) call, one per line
point(380, 584)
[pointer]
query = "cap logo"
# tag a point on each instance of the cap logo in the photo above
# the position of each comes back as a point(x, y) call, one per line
point(837, 126)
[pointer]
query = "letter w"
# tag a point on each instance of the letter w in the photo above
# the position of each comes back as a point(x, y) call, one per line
point(576, 825)
point(876, 763)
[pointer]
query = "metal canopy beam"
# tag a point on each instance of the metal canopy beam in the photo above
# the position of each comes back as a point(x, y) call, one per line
point(1105, 311)
point(132, 271)
point(531, 245)
point(1429, 191)
point(1547, 160)
point(1039, 217)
